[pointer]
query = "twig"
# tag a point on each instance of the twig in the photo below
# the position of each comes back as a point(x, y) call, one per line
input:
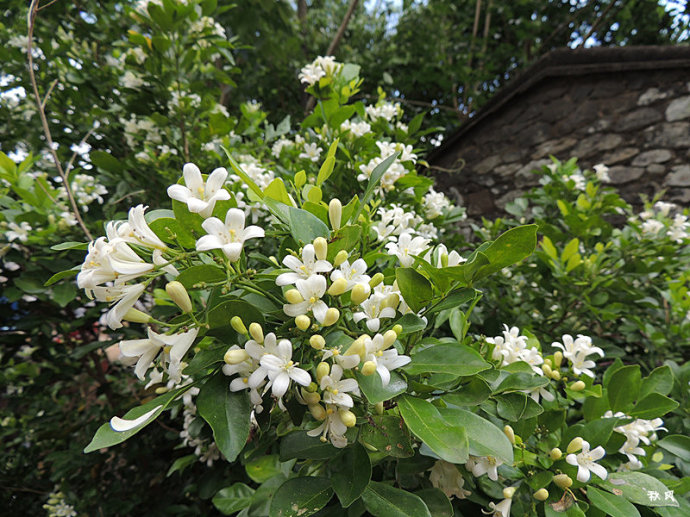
point(475, 30)
point(126, 196)
point(22, 489)
point(74, 155)
point(47, 5)
point(597, 22)
point(50, 90)
point(33, 9)
point(428, 105)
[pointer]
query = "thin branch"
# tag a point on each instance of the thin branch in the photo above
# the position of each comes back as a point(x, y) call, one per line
point(22, 489)
point(50, 90)
point(74, 155)
point(475, 30)
point(429, 105)
point(47, 5)
point(597, 22)
point(33, 9)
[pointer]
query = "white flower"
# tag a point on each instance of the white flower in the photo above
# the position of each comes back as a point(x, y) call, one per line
point(281, 369)
point(664, 208)
point(373, 310)
point(335, 388)
point(332, 426)
point(131, 80)
point(453, 258)
point(311, 73)
point(124, 297)
point(585, 462)
point(18, 231)
point(135, 230)
point(200, 198)
point(602, 172)
point(434, 203)
point(679, 229)
point(577, 350)
point(652, 227)
point(279, 145)
point(121, 424)
point(631, 450)
point(501, 509)
point(446, 477)
point(357, 129)
point(406, 247)
point(311, 152)
point(354, 274)
point(303, 269)
point(174, 348)
point(385, 360)
point(311, 289)
point(228, 237)
point(484, 465)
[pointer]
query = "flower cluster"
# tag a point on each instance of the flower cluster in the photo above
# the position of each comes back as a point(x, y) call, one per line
point(636, 431)
point(322, 66)
point(657, 222)
point(577, 350)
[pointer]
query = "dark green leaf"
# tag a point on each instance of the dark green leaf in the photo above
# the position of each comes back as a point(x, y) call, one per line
point(263, 468)
point(659, 381)
point(517, 406)
point(436, 501)
point(510, 247)
point(415, 289)
point(610, 504)
point(62, 274)
point(352, 474)
point(521, 381)
point(471, 394)
point(652, 406)
point(197, 276)
point(485, 439)
point(233, 498)
point(387, 434)
point(383, 500)
point(456, 359)
point(306, 227)
point(376, 392)
point(453, 300)
point(636, 488)
point(623, 388)
point(374, 179)
point(411, 323)
point(449, 442)
point(227, 413)
point(221, 314)
point(301, 446)
point(301, 497)
point(170, 230)
point(70, 245)
point(677, 445)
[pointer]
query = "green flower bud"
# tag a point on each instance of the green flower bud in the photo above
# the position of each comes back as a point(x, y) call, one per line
point(369, 368)
point(389, 338)
point(293, 296)
point(578, 386)
point(563, 481)
point(178, 294)
point(237, 324)
point(302, 322)
point(509, 492)
point(359, 294)
point(340, 257)
point(235, 356)
point(508, 431)
point(256, 332)
point(332, 317)
point(555, 454)
point(136, 316)
point(317, 342)
point(541, 495)
point(397, 329)
point(376, 280)
point(335, 213)
point(321, 248)
point(575, 445)
point(338, 287)
point(317, 411)
point(348, 417)
point(322, 369)
point(558, 358)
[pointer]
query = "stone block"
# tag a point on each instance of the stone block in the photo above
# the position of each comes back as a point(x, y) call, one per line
point(553, 147)
point(638, 119)
point(674, 135)
point(653, 156)
point(678, 109)
point(650, 96)
point(621, 174)
point(525, 177)
point(619, 155)
point(595, 143)
point(679, 176)
point(507, 170)
point(656, 169)
point(487, 164)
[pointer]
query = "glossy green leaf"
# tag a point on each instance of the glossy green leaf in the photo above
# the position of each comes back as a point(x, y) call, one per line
point(471, 394)
point(652, 406)
point(352, 474)
point(517, 406)
point(485, 439)
point(453, 300)
point(276, 190)
point(638, 488)
point(327, 167)
point(299, 445)
point(263, 468)
point(62, 274)
point(382, 500)
point(375, 391)
point(411, 323)
point(221, 314)
point(227, 413)
point(612, 505)
point(105, 435)
point(521, 381)
point(374, 180)
point(196, 277)
point(624, 387)
point(305, 227)
point(659, 381)
point(346, 238)
point(170, 231)
point(301, 497)
point(386, 434)
point(436, 502)
point(415, 289)
point(676, 444)
point(70, 245)
point(457, 359)
point(233, 498)
point(509, 248)
point(449, 442)
point(238, 170)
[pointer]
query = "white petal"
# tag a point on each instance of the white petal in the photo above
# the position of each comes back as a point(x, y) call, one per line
point(215, 181)
point(253, 232)
point(208, 242)
point(296, 309)
point(235, 219)
point(319, 309)
point(281, 384)
point(287, 278)
point(233, 251)
point(599, 470)
point(300, 376)
point(179, 193)
point(135, 347)
point(214, 226)
point(192, 177)
point(120, 424)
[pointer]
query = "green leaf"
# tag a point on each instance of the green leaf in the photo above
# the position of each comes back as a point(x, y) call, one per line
point(471, 394)
point(453, 300)
point(227, 413)
point(169, 229)
point(301, 497)
point(233, 498)
point(221, 314)
point(306, 227)
point(70, 245)
point(64, 293)
point(652, 406)
point(276, 190)
point(510, 247)
point(352, 474)
point(457, 359)
point(659, 381)
point(346, 238)
point(677, 445)
point(263, 468)
point(612, 505)
point(415, 289)
point(485, 439)
point(62, 274)
point(521, 381)
point(206, 359)
point(196, 276)
point(517, 406)
point(598, 432)
point(386, 434)
point(238, 170)
point(327, 167)
point(375, 391)
point(374, 179)
point(301, 446)
point(107, 437)
point(436, 501)
point(449, 442)
point(636, 488)
point(411, 323)
point(623, 388)
point(180, 464)
point(106, 162)
point(383, 500)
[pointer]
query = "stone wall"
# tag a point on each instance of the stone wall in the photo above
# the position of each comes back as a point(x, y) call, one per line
point(635, 120)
